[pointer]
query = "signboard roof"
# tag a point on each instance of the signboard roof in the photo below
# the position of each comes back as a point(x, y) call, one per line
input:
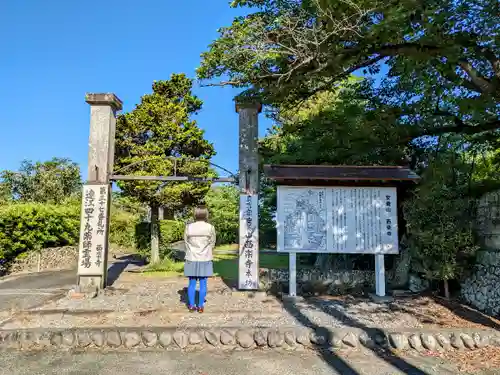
point(339, 173)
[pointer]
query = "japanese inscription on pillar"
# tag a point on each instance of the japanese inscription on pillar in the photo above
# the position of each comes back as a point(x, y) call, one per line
point(338, 220)
point(249, 243)
point(93, 229)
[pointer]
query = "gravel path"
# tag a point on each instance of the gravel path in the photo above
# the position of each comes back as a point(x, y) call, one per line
point(146, 301)
point(151, 301)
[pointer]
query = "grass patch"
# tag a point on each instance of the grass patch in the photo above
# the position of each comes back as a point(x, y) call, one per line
point(225, 265)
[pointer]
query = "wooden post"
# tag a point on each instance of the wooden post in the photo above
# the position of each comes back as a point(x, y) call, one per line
point(103, 108)
point(248, 264)
point(155, 235)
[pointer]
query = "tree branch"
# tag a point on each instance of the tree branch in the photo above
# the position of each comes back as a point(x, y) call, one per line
point(480, 82)
point(460, 127)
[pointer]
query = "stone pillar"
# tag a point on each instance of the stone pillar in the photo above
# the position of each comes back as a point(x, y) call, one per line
point(248, 266)
point(93, 249)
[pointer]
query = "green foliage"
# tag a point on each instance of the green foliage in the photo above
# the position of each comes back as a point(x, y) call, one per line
point(122, 227)
point(33, 226)
point(170, 231)
point(442, 57)
point(52, 181)
point(128, 204)
point(440, 217)
point(223, 205)
point(158, 129)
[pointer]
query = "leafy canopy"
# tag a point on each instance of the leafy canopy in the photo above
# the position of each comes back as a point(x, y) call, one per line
point(156, 131)
point(442, 58)
point(51, 181)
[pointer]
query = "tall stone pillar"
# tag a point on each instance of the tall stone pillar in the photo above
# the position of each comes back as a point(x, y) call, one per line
point(248, 266)
point(96, 198)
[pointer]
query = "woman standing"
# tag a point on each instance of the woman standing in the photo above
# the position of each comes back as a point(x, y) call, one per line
point(200, 241)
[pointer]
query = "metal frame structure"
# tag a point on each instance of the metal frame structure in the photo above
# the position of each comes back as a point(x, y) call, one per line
point(116, 177)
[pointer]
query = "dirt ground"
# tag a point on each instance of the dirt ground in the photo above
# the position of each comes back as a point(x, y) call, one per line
point(137, 300)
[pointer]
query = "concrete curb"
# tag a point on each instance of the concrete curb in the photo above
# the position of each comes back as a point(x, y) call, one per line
point(240, 338)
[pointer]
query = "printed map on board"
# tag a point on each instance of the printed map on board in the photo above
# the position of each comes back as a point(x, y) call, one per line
point(305, 219)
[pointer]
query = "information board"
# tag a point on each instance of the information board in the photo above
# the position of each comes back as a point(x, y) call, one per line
point(354, 220)
point(93, 229)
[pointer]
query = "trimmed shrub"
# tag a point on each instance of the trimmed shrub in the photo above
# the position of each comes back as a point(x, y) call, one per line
point(122, 229)
point(33, 226)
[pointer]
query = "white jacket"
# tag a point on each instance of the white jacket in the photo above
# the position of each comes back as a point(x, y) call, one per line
point(199, 238)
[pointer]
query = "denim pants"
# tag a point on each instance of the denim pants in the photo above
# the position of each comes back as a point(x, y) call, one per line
point(192, 291)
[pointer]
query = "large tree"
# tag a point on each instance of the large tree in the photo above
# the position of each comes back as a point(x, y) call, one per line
point(442, 56)
point(150, 138)
point(51, 181)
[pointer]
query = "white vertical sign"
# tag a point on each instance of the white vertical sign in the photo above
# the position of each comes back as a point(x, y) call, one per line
point(248, 267)
point(93, 230)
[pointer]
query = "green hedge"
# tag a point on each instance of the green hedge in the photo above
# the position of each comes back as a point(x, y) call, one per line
point(170, 231)
point(31, 226)
point(123, 228)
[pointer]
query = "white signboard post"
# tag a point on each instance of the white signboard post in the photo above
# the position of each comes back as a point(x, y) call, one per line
point(248, 277)
point(94, 230)
point(350, 220)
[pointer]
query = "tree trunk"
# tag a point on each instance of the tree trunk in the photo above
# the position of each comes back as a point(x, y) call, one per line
point(155, 237)
point(446, 289)
point(161, 211)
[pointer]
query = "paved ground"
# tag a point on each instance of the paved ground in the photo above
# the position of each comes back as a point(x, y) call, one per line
point(203, 363)
point(41, 280)
point(32, 290)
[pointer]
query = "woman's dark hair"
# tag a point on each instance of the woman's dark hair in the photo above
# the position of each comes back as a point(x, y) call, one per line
point(201, 213)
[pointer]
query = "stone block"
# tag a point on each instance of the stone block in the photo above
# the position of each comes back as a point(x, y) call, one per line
point(468, 341)
point(98, 338)
point(181, 339)
point(443, 341)
point(132, 339)
point(244, 338)
point(398, 341)
point(351, 340)
point(275, 339)
point(212, 337)
point(113, 339)
point(195, 338)
point(290, 338)
point(149, 338)
point(260, 338)
point(165, 339)
point(429, 342)
point(456, 341)
point(226, 337)
point(68, 339)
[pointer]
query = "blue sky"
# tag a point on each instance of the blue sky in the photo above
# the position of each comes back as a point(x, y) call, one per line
point(53, 52)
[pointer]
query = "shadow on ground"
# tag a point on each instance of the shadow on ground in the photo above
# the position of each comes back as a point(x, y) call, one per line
point(330, 357)
point(468, 313)
point(119, 266)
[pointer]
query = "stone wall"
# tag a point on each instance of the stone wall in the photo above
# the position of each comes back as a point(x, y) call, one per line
point(311, 280)
point(54, 258)
point(480, 289)
point(65, 257)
